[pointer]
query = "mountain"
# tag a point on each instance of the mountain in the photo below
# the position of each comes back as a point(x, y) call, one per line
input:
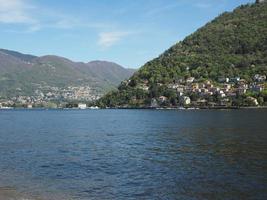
point(10, 63)
point(232, 45)
point(113, 73)
point(23, 75)
point(23, 57)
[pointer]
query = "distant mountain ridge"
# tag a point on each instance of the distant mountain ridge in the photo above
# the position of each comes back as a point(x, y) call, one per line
point(24, 57)
point(21, 73)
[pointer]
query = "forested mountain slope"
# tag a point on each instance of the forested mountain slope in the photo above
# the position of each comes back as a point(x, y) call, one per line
point(232, 45)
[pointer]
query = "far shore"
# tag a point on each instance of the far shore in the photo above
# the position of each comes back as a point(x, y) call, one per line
point(145, 108)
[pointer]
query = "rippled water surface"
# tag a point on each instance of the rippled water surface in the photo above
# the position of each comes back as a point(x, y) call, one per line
point(134, 154)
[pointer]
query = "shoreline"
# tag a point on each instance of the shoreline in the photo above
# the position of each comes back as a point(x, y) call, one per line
point(10, 193)
point(147, 108)
point(191, 108)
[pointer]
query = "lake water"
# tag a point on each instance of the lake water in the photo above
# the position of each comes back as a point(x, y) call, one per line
point(134, 154)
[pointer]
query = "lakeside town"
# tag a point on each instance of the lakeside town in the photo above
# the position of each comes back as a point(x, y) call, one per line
point(211, 94)
point(190, 93)
point(54, 97)
point(226, 92)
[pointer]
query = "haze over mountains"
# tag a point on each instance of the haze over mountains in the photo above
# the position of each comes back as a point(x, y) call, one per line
point(22, 74)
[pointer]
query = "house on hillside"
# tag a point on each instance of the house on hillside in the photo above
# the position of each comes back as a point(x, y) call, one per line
point(260, 1)
point(143, 87)
point(241, 90)
point(223, 80)
point(259, 78)
point(154, 103)
point(82, 106)
point(162, 99)
point(257, 88)
point(235, 79)
point(180, 88)
point(221, 94)
point(190, 80)
point(202, 102)
point(179, 94)
point(253, 101)
point(185, 100)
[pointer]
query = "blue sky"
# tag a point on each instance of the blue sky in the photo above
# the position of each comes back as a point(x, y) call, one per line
point(129, 32)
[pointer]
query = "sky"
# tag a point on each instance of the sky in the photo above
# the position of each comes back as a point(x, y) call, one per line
point(128, 32)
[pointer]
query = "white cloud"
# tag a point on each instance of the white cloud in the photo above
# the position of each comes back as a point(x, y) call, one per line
point(15, 11)
point(108, 39)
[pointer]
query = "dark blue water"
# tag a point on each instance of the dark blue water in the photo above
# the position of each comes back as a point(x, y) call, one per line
point(134, 154)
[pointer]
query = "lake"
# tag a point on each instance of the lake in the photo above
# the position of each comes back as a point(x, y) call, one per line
point(133, 154)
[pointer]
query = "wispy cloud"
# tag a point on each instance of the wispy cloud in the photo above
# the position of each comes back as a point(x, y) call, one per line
point(68, 22)
point(35, 18)
point(202, 5)
point(108, 39)
point(15, 11)
point(162, 9)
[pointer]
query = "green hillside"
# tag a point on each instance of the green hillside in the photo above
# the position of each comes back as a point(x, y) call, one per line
point(232, 45)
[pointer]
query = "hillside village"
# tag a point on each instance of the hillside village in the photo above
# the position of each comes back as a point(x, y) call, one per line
point(227, 92)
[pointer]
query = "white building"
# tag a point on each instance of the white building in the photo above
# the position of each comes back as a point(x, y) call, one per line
point(82, 106)
point(185, 100)
point(179, 94)
point(259, 78)
point(162, 99)
point(190, 80)
point(257, 88)
point(223, 80)
point(253, 101)
point(154, 103)
point(260, 1)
